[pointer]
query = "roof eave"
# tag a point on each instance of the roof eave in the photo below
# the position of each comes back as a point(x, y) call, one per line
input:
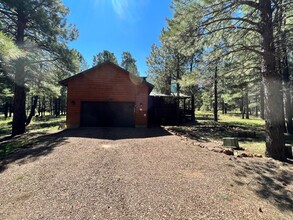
point(64, 82)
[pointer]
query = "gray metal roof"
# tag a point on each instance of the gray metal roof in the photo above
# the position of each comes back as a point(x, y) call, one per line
point(157, 94)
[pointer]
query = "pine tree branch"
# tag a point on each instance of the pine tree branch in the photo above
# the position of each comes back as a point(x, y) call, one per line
point(248, 3)
point(228, 28)
point(44, 61)
point(230, 19)
point(245, 48)
point(9, 15)
point(6, 12)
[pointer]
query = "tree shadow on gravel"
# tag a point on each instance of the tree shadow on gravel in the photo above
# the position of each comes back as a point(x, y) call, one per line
point(268, 181)
point(205, 131)
point(28, 147)
point(113, 133)
point(31, 146)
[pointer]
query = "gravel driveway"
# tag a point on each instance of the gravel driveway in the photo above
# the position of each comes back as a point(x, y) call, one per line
point(124, 173)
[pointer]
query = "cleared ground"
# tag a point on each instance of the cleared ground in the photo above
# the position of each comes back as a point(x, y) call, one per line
point(122, 173)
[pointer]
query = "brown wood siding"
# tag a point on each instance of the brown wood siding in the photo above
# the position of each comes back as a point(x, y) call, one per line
point(106, 84)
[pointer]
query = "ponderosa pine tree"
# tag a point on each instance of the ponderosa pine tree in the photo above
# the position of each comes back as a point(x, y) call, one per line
point(158, 69)
point(40, 24)
point(166, 67)
point(8, 52)
point(103, 57)
point(83, 65)
point(129, 63)
point(197, 22)
point(281, 32)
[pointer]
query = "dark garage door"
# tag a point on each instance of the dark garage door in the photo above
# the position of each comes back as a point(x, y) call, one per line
point(107, 114)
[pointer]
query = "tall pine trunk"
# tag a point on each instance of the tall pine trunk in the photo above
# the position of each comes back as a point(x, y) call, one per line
point(256, 106)
point(33, 109)
point(242, 108)
point(246, 102)
point(274, 117)
point(286, 86)
point(223, 106)
point(19, 115)
point(178, 76)
point(262, 105)
point(216, 95)
point(6, 110)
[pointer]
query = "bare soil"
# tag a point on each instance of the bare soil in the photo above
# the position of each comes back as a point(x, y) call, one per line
point(124, 173)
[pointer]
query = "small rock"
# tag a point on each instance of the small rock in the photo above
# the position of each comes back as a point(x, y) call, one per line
point(260, 210)
point(257, 155)
point(246, 154)
point(228, 152)
point(218, 150)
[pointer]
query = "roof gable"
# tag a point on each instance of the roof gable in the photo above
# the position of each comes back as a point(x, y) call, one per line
point(65, 81)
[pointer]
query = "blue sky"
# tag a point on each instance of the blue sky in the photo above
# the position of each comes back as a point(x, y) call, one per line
point(117, 26)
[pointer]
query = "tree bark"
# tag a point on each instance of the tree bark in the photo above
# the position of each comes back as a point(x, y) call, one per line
point(287, 94)
point(43, 108)
point(216, 95)
point(33, 109)
point(6, 110)
point(256, 106)
point(242, 109)
point(275, 141)
point(178, 76)
point(39, 108)
point(57, 107)
point(192, 109)
point(10, 109)
point(223, 107)
point(246, 102)
point(273, 99)
point(19, 116)
point(262, 105)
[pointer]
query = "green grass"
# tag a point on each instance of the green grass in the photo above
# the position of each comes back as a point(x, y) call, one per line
point(47, 123)
point(231, 119)
point(236, 120)
point(5, 126)
point(37, 126)
point(254, 124)
point(200, 113)
point(258, 146)
point(254, 147)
